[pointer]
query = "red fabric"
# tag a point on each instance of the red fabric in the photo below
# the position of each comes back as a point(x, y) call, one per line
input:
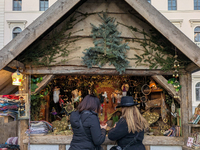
point(61, 102)
point(11, 97)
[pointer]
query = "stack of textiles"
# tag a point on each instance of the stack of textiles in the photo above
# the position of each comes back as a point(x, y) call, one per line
point(39, 128)
point(9, 146)
point(9, 105)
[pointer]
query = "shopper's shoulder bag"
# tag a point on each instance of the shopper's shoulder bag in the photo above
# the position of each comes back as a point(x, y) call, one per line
point(116, 147)
point(82, 128)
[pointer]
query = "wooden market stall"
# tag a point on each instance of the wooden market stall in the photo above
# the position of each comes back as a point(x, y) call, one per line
point(54, 43)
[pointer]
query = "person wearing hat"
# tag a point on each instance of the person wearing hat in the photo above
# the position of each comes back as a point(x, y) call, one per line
point(129, 131)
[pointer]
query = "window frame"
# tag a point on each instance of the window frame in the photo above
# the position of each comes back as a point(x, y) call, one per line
point(16, 33)
point(44, 8)
point(196, 92)
point(19, 5)
point(197, 6)
point(198, 33)
point(170, 7)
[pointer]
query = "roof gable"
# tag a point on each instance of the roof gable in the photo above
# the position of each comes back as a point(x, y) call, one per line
point(61, 7)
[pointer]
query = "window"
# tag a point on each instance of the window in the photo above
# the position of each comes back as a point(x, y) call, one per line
point(196, 4)
point(44, 4)
point(17, 5)
point(197, 34)
point(16, 31)
point(172, 5)
point(197, 88)
point(149, 1)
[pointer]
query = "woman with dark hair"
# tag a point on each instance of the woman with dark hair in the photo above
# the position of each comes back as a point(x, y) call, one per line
point(129, 131)
point(88, 134)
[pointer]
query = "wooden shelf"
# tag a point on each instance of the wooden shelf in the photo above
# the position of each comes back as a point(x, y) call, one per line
point(148, 140)
point(194, 125)
point(187, 148)
point(157, 90)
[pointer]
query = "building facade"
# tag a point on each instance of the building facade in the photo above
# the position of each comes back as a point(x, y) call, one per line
point(16, 15)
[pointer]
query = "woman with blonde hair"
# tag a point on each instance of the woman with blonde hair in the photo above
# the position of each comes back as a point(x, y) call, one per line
point(129, 131)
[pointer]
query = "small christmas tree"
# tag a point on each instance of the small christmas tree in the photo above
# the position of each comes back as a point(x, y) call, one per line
point(108, 46)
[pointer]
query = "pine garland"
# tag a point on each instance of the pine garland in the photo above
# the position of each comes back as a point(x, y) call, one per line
point(108, 46)
point(58, 45)
point(157, 51)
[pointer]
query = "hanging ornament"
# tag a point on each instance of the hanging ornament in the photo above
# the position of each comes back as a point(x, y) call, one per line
point(173, 106)
point(176, 66)
point(176, 73)
point(17, 78)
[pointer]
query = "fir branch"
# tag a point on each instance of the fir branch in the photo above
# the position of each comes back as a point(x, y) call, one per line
point(108, 46)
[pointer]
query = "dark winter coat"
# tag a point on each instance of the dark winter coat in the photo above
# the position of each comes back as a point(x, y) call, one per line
point(95, 135)
point(123, 137)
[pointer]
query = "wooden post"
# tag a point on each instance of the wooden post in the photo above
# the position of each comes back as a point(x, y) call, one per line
point(190, 94)
point(62, 147)
point(184, 80)
point(189, 99)
point(147, 147)
point(22, 127)
point(23, 124)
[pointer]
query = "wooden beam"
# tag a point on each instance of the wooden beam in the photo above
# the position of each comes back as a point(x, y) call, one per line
point(35, 30)
point(185, 109)
point(74, 70)
point(9, 69)
point(148, 140)
point(45, 81)
point(191, 68)
point(16, 64)
point(173, 34)
point(8, 88)
point(168, 87)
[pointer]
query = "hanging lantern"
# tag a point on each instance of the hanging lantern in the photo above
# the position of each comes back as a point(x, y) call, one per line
point(17, 78)
point(152, 84)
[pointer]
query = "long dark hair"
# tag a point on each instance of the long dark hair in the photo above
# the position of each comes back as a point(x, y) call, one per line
point(90, 102)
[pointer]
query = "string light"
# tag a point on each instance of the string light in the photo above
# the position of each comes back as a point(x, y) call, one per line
point(176, 73)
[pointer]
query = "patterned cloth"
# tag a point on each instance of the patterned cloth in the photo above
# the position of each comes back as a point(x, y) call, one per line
point(9, 107)
point(39, 127)
point(12, 140)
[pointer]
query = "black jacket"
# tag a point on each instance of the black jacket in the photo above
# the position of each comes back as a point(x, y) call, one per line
point(95, 135)
point(123, 137)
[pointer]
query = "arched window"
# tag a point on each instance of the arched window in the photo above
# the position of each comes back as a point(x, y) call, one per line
point(197, 34)
point(197, 89)
point(172, 5)
point(196, 4)
point(16, 31)
point(17, 5)
point(44, 5)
